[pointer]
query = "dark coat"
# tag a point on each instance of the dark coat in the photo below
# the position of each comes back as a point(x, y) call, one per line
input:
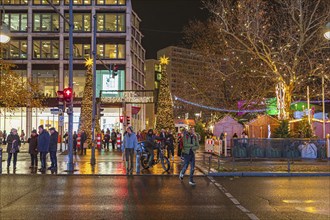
point(113, 136)
point(33, 144)
point(43, 142)
point(10, 140)
point(107, 138)
point(53, 142)
point(83, 138)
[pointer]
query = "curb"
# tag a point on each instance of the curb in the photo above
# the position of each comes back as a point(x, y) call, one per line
point(266, 174)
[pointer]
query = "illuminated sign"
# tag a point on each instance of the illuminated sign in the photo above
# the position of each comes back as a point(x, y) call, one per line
point(128, 97)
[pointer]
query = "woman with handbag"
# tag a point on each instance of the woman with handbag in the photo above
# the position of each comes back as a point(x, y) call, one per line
point(13, 144)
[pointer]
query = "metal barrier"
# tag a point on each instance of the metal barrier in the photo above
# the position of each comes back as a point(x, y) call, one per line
point(292, 148)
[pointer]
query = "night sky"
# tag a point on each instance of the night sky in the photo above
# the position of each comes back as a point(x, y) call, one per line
point(163, 21)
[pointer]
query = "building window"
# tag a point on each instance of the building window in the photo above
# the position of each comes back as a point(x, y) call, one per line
point(82, 22)
point(46, 22)
point(16, 21)
point(47, 81)
point(15, 2)
point(111, 51)
point(80, 51)
point(110, 22)
point(44, 2)
point(79, 79)
point(111, 2)
point(79, 2)
point(15, 49)
point(45, 49)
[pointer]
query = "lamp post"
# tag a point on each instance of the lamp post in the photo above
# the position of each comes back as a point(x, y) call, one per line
point(326, 36)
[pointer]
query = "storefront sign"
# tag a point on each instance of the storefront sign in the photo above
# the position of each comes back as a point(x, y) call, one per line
point(128, 97)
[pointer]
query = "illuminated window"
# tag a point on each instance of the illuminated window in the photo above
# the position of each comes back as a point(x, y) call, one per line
point(16, 21)
point(45, 49)
point(82, 22)
point(111, 2)
point(47, 81)
point(46, 22)
point(111, 22)
point(80, 51)
point(15, 49)
point(44, 2)
point(15, 2)
point(111, 51)
point(79, 2)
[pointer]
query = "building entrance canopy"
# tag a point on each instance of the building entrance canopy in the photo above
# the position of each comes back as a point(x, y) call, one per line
point(127, 96)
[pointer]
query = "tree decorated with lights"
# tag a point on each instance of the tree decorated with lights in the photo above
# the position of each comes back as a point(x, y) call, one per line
point(86, 114)
point(165, 118)
point(15, 91)
point(262, 48)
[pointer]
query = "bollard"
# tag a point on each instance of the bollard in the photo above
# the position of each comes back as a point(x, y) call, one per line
point(0, 160)
point(210, 161)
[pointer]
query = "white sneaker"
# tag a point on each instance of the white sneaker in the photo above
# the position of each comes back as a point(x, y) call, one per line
point(192, 183)
point(181, 176)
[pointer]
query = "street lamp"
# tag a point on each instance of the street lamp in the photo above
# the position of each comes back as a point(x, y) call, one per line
point(4, 33)
point(327, 31)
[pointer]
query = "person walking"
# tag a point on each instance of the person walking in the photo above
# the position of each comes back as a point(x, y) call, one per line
point(83, 138)
point(53, 148)
point(43, 146)
point(113, 139)
point(74, 137)
point(170, 145)
point(33, 149)
point(130, 144)
point(13, 144)
point(107, 141)
point(190, 145)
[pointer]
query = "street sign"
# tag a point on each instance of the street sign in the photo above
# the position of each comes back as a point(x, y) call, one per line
point(55, 111)
point(61, 121)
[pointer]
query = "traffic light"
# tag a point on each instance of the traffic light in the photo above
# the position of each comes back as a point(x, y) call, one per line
point(60, 100)
point(100, 110)
point(115, 69)
point(128, 120)
point(67, 95)
point(121, 119)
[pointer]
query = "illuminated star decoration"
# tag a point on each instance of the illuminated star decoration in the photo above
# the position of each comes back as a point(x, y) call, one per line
point(164, 60)
point(89, 62)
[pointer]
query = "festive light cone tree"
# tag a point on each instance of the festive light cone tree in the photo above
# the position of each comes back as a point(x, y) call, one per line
point(165, 118)
point(86, 113)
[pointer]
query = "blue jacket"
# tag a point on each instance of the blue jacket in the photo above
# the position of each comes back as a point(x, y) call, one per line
point(43, 141)
point(130, 141)
point(53, 142)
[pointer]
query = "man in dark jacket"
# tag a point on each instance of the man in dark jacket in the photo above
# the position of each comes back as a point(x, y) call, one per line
point(33, 149)
point(13, 143)
point(53, 148)
point(107, 141)
point(83, 138)
point(113, 139)
point(43, 146)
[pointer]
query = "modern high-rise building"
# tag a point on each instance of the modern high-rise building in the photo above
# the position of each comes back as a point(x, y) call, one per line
point(39, 46)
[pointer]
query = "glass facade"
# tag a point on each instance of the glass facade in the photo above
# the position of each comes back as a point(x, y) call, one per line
point(47, 80)
point(79, 81)
point(111, 2)
point(44, 2)
point(15, 49)
point(46, 22)
point(82, 22)
point(111, 51)
point(79, 2)
point(110, 22)
point(80, 51)
point(15, 2)
point(45, 49)
point(17, 22)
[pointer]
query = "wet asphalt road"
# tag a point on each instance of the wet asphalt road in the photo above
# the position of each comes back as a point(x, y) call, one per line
point(161, 197)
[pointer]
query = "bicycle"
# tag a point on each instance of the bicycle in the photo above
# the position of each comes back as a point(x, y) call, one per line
point(145, 156)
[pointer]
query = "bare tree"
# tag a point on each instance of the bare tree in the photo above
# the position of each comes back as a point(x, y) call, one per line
point(255, 45)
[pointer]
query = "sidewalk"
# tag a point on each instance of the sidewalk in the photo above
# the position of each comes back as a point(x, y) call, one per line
point(107, 163)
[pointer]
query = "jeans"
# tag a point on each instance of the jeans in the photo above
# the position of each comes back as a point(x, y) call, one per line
point(43, 160)
point(189, 158)
point(129, 154)
point(34, 160)
point(113, 143)
point(106, 145)
point(9, 159)
point(53, 158)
